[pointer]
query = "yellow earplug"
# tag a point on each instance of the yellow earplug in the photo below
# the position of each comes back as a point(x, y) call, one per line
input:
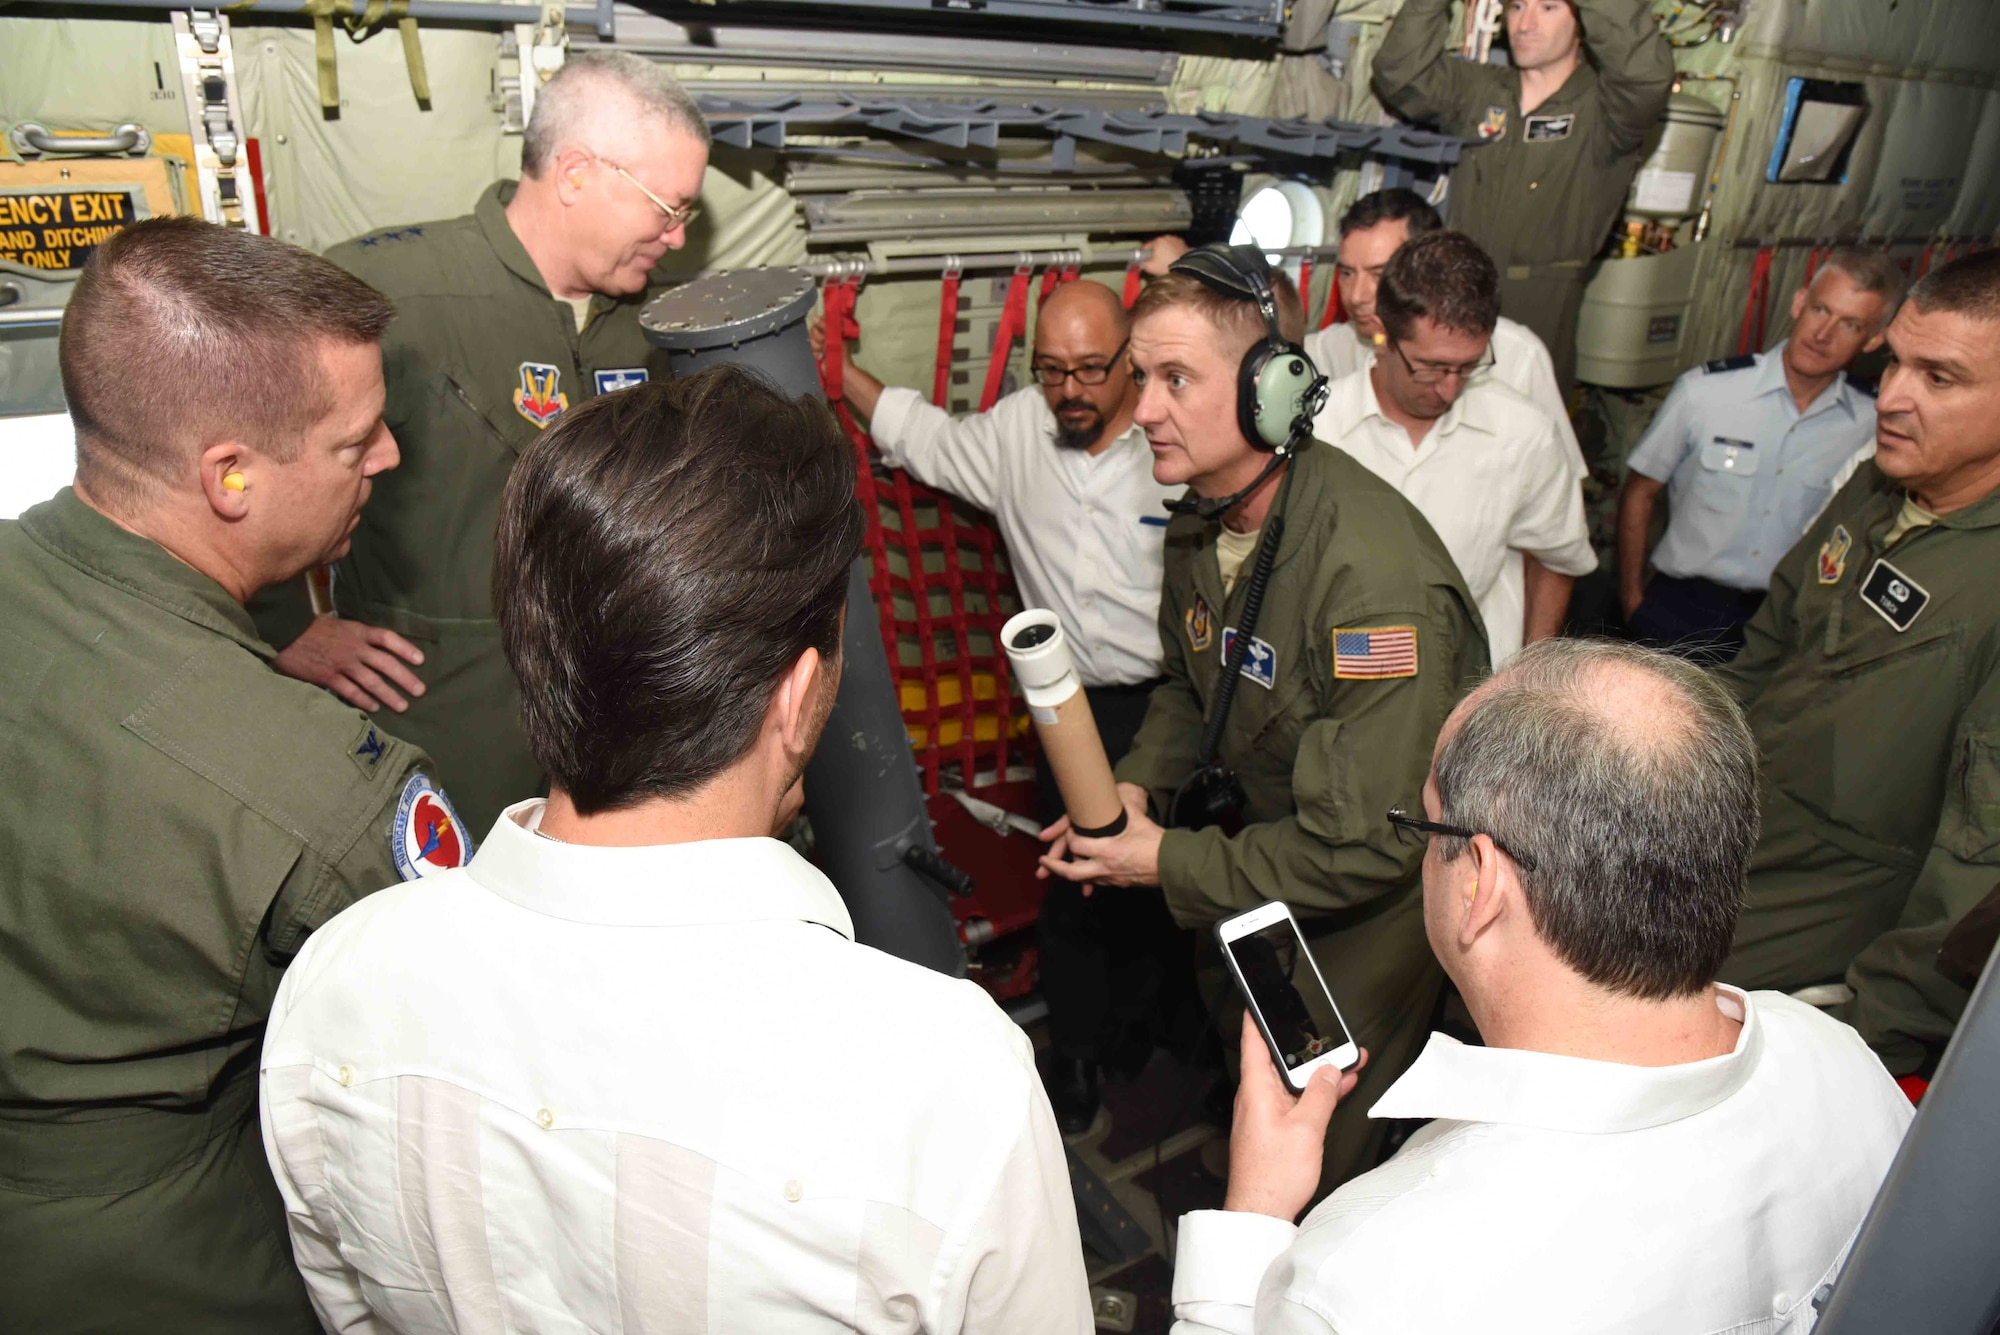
point(1380, 339)
point(233, 481)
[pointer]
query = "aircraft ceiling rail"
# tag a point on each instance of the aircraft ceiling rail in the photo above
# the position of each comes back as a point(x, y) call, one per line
point(1240, 18)
point(978, 123)
point(837, 267)
point(429, 11)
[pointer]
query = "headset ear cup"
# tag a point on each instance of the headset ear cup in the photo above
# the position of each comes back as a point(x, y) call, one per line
point(1282, 390)
point(1249, 409)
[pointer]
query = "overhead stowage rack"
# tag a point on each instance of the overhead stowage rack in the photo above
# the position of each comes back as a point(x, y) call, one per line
point(979, 123)
point(1238, 18)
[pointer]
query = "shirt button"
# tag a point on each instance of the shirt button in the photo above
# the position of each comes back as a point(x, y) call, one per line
point(347, 1075)
point(1533, 184)
point(1780, 1304)
point(545, 1119)
point(793, 1191)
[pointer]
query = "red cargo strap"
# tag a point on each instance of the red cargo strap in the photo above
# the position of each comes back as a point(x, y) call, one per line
point(1913, 1087)
point(1814, 259)
point(1013, 323)
point(1131, 284)
point(838, 298)
point(1332, 314)
point(1050, 276)
point(1305, 285)
point(947, 332)
point(1924, 265)
point(1757, 306)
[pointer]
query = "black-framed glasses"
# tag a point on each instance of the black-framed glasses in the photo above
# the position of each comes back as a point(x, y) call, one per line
point(1430, 373)
point(1052, 373)
point(1410, 829)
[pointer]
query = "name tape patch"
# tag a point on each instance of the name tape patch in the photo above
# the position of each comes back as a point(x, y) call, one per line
point(1260, 660)
point(1541, 129)
point(623, 377)
point(1374, 654)
point(427, 836)
point(1895, 596)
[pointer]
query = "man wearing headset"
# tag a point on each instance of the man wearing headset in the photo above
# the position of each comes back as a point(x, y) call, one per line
point(1362, 640)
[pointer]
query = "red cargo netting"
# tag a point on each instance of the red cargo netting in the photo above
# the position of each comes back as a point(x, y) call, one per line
point(938, 575)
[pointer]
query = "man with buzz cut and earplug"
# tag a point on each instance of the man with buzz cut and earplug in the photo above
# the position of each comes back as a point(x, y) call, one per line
point(1351, 634)
point(176, 818)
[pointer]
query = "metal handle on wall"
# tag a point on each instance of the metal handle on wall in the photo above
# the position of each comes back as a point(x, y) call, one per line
point(32, 140)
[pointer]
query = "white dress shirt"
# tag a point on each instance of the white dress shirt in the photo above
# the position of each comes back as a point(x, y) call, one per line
point(1086, 533)
point(1493, 479)
point(573, 1089)
point(1558, 1194)
point(1520, 362)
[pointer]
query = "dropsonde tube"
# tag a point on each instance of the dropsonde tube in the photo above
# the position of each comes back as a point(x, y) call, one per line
point(1068, 731)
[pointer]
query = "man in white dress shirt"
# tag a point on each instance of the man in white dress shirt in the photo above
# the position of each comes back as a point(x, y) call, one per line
point(628, 1070)
point(1069, 480)
point(1637, 1149)
point(1487, 467)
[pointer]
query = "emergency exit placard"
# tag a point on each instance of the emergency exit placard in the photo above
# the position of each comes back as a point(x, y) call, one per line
point(57, 229)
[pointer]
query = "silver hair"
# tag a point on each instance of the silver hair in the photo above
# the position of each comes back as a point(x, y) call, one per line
point(562, 105)
point(1871, 271)
point(1633, 836)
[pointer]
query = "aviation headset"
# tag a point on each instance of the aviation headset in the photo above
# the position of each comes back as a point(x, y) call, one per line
point(1278, 389)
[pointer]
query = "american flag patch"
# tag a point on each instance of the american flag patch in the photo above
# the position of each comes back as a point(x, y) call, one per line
point(1389, 651)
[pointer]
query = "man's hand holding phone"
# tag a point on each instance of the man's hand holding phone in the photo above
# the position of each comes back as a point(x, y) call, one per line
point(1278, 1138)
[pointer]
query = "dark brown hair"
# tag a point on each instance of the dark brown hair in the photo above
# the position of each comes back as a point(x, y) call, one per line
point(1235, 316)
point(181, 333)
point(1444, 276)
point(1969, 286)
point(1396, 204)
point(664, 554)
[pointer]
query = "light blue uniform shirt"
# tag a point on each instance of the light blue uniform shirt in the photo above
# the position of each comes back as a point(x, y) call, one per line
point(1745, 470)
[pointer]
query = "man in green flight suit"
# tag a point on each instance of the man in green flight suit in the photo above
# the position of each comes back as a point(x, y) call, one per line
point(504, 320)
point(1560, 137)
point(176, 817)
point(1871, 677)
point(1366, 638)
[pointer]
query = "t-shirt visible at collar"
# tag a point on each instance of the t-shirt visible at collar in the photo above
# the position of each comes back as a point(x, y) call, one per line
point(1232, 549)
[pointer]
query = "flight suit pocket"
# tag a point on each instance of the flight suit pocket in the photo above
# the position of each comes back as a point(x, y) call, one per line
point(461, 402)
point(1972, 830)
point(1885, 781)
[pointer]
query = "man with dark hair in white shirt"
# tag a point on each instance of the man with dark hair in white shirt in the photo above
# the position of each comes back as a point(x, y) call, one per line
point(1636, 1148)
point(628, 1070)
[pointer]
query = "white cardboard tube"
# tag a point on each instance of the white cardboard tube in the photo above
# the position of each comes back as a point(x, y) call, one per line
point(1068, 731)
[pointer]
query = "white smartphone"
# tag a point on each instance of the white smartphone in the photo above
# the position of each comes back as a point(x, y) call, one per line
point(1287, 996)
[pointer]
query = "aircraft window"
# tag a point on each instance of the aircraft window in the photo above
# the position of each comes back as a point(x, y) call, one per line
point(1284, 213)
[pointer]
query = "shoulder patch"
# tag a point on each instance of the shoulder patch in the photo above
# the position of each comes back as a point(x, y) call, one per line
point(427, 836)
point(1199, 623)
point(1375, 653)
point(1730, 363)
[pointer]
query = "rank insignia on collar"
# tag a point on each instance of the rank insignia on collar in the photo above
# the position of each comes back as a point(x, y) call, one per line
point(1260, 661)
point(1495, 124)
point(1833, 555)
point(540, 398)
point(1200, 624)
point(1895, 597)
point(427, 836)
point(609, 382)
point(368, 750)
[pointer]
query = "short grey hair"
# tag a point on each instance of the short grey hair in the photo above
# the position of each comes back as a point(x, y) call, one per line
point(1633, 835)
point(563, 103)
point(1871, 271)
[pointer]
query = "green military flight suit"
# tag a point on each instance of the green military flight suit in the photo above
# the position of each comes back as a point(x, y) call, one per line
point(175, 818)
point(481, 359)
point(1881, 750)
point(1541, 191)
point(1322, 751)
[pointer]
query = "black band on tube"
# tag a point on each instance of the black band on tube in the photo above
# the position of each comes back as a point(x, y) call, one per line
point(1101, 832)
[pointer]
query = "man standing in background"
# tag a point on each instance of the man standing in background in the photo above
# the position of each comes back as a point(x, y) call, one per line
point(505, 320)
point(1560, 136)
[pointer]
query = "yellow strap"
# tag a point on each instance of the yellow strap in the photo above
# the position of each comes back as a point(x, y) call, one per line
point(329, 73)
point(413, 52)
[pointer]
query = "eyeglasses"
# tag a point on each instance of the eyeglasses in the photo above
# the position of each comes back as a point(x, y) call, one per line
point(1052, 373)
point(1430, 373)
point(670, 216)
point(1409, 828)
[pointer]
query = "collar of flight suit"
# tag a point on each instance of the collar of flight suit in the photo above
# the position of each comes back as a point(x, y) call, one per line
point(1311, 506)
point(1771, 380)
point(705, 883)
point(72, 532)
point(1577, 90)
point(491, 214)
point(1886, 502)
point(1514, 1087)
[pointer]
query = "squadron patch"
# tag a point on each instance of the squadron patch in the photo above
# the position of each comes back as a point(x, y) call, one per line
point(1895, 596)
point(1376, 653)
point(1542, 129)
point(1200, 625)
point(540, 398)
point(1495, 124)
point(622, 378)
point(427, 836)
point(1833, 555)
point(1260, 661)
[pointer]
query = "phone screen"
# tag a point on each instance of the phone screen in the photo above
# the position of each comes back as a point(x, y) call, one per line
point(1302, 1022)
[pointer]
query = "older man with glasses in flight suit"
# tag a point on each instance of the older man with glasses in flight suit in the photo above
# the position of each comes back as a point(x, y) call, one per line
point(1069, 479)
point(505, 320)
